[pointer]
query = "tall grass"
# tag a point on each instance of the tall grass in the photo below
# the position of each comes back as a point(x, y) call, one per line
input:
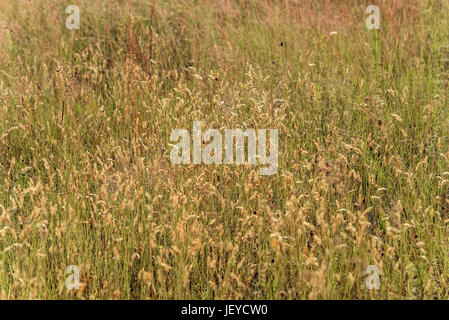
point(86, 178)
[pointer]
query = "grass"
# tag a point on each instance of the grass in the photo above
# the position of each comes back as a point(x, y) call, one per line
point(85, 171)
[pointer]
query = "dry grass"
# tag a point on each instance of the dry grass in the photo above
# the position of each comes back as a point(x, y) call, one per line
point(86, 178)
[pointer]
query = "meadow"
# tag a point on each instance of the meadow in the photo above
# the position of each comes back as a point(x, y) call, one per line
point(86, 178)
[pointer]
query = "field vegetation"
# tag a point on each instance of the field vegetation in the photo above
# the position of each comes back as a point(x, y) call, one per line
point(85, 171)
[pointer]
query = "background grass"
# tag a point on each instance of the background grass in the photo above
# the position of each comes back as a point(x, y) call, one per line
point(86, 178)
